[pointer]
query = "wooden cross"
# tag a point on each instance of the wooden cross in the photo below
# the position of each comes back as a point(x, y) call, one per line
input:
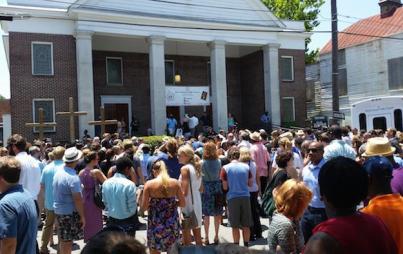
point(71, 114)
point(41, 125)
point(103, 122)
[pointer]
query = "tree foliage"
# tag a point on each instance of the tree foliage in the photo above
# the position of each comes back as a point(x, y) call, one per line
point(302, 10)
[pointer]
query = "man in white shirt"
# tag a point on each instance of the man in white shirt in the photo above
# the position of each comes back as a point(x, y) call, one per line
point(30, 177)
point(192, 122)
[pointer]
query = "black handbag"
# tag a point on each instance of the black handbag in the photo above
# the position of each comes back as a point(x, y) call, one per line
point(98, 196)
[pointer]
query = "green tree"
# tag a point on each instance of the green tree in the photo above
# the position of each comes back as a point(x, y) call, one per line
point(2, 97)
point(303, 10)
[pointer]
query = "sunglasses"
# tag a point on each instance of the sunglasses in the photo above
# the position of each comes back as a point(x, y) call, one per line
point(314, 150)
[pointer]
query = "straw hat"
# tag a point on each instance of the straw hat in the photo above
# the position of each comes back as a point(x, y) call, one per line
point(378, 146)
point(72, 154)
point(300, 133)
point(255, 136)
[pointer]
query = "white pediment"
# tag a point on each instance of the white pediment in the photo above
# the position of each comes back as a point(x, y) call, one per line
point(240, 12)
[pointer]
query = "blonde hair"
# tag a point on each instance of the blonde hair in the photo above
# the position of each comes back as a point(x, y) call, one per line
point(160, 167)
point(58, 152)
point(286, 143)
point(292, 198)
point(194, 160)
point(244, 154)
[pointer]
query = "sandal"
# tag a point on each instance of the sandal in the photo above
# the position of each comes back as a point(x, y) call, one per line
point(216, 242)
point(206, 241)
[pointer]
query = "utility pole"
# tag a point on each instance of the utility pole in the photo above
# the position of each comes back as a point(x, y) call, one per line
point(335, 59)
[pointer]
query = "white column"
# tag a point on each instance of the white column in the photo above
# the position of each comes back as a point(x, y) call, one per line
point(157, 84)
point(218, 85)
point(85, 83)
point(272, 82)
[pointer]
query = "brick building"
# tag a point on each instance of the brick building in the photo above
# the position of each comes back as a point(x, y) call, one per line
point(126, 57)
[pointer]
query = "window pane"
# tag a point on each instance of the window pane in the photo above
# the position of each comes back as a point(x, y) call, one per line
point(114, 71)
point(286, 66)
point(42, 59)
point(342, 82)
point(398, 120)
point(169, 73)
point(48, 113)
point(288, 110)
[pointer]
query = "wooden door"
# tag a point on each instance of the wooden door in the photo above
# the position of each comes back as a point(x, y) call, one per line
point(117, 111)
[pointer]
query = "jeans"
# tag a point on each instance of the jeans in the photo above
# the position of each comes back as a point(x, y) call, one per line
point(311, 218)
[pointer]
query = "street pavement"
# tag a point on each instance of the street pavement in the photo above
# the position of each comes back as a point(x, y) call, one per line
point(225, 236)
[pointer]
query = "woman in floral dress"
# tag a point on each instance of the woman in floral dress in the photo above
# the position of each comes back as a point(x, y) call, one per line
point(161, 197)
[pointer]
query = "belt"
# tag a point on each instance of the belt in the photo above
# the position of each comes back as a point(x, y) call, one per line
point(316, 210)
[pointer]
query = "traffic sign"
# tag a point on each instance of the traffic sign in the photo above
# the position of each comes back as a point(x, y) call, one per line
point(338, 115)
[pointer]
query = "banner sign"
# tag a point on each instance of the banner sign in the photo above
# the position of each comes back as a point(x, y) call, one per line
point(187, 95)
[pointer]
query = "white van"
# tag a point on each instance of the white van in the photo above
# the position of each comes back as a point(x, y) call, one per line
point(378, 113)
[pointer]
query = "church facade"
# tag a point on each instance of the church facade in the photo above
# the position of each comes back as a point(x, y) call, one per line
point(150, 59)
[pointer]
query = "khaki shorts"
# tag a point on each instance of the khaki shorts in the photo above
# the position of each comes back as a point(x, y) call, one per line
point(240, 213)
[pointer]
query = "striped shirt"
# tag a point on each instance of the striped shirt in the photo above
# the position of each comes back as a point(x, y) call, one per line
point(285, 233)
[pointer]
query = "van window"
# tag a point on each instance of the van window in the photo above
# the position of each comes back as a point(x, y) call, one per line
point(398, 119)
point(379, 123)
point(363, 121)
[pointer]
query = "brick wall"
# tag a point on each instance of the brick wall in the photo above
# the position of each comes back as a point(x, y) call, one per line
point(296, 88)
point(24, 87)
point(136, 82)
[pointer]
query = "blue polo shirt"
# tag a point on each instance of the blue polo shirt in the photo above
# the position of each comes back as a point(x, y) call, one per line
point(65, 183)
point(310, 176)
point(47, 180)
point(18, 219)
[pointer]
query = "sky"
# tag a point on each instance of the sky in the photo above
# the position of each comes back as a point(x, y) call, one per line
point(356, 8)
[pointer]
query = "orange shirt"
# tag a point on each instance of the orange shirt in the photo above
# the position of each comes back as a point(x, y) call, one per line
point(389, 208)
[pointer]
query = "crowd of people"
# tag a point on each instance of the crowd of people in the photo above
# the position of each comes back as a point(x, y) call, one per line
point(323, 191)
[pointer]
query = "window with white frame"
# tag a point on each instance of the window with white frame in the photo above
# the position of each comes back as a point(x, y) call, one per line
point(288, 104)
point(287, 68)
point(48, 106)
point(169, 72)
point(114, 70)
point(42, 58)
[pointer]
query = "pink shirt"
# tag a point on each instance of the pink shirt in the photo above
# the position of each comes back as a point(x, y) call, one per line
point(261, 156)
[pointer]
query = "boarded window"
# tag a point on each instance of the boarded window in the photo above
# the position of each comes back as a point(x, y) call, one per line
point(342, 82)
point(398, 119)
point(342, 57)
point(288, 109)
point(42, 58)
point(287, 68)
point(48, 106)
point(363, 121)
point(169, 72)
point(395, 72)
point(114, 71)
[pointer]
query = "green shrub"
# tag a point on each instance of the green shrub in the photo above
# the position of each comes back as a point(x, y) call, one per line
point(153, 141)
